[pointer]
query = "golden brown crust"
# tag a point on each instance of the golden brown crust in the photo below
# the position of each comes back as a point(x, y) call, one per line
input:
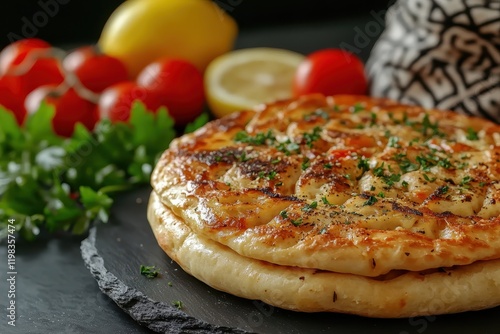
point(345, 183)
point(397, 294)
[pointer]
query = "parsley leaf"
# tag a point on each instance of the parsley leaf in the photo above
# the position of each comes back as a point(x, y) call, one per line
point(197, 123)
point(471, 134)
point(310, 207)
point(178, 304)
point(371, 200)
point(149, 271)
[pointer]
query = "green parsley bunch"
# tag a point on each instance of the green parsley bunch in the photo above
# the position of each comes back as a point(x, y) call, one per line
point(52, 184)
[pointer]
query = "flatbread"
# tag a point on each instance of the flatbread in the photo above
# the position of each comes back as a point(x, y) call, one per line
point(400, 294)
point(342, 185)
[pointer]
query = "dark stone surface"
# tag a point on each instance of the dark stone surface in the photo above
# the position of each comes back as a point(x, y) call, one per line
point(55, 293)
point(157, 316)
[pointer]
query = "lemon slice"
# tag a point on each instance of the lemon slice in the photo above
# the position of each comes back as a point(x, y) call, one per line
point(244, 78)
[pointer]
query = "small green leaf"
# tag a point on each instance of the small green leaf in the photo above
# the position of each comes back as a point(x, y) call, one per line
point(371, 200)
point(9, 129)
point(197, 123)
point(149, 271)
point(39, 125)
point(94, 199)
point(471, 134)
point(177, 304)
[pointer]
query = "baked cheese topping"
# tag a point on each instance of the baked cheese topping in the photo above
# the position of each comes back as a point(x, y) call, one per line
point(347, 184)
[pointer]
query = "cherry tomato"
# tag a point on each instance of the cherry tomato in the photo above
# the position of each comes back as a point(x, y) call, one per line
point(70, 108)
point(18, 59)
point(180, 85)
point(15, 53)
point(116, 101)
point(11, 99)
point(330, 72)
point(95, 70)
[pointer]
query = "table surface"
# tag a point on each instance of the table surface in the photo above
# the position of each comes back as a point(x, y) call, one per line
point(56, 293)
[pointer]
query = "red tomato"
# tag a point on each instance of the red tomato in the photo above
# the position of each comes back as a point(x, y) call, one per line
point(18, 59)
point(95, 70)
point(15, 53)
point(70, 108)
point(329, 72)
point(11, 99)
point(115, 102)
point(180, 85)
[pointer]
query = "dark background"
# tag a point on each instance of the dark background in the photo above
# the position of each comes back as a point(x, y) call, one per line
point(63, 22)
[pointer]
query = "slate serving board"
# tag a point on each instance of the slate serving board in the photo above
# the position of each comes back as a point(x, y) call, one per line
point(114, 252)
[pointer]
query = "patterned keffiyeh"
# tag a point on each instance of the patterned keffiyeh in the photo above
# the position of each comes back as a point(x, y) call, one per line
point(440, 53)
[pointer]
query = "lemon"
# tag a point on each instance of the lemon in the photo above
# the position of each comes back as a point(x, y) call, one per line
point(142, 31)
point(244, 78)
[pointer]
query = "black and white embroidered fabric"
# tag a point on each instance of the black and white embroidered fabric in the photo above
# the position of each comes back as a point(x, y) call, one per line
point(440, 53)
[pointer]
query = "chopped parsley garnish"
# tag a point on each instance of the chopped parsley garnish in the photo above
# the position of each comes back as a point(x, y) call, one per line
point(404, 184)
point(442, 190)
point(428, 179)
point(305, 163)
point(391, 179)
point(325, 200)
point(259, 138)
point(404, 163)
point(426, 162)
point(429, 128)
point(310, 207)
point(311, 137)
point(357, 107)
point(394, 142)
point(284, 214)
point(471, 134)
point(318, 112)
point(373, 119)
point(363, 164)
point(379, 170)
point(149, 271)
point(243, 157)
point(388, 179)
point(465, 181)
point(177, 304)
point(270, 175)
point(296, 222)
point(445, 163)
point(381, 195)
point(288, 147)
point(371, 200)
point(328, 165)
